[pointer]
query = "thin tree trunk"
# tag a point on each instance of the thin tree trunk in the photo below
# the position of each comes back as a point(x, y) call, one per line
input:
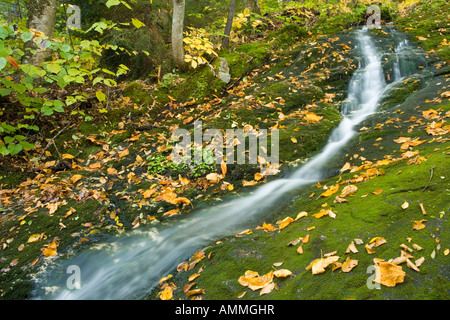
point(226, 38)
point(177, 32)
point(253, 6)
point(42, 17)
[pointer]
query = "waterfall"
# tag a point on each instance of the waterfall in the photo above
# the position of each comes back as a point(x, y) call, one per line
point(130, 265)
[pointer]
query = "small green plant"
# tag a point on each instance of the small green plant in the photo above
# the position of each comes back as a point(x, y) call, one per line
point(168, 80)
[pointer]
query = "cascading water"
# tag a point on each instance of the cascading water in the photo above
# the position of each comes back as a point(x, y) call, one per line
point(132, 263)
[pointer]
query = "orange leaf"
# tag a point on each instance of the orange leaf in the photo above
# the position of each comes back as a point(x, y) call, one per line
point(389, 274)
point(330, 191)
point(166, 294)
point(285, 222)
point(13, 62)
point(50, 250)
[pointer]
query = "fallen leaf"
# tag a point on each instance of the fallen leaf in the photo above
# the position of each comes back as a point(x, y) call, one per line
point(282, 273)
point(405, 205)
point(162, 280)
point(346, 167)
point(166, 294)
point(252, 280)
point(351, 248)
point(305, 239)
point(330, 191)
point(193, 276)
point(348, 190)
point(377, 192)
point(419, 224)
point(301, 215)
point(422, 208)
point(369, 249)
point(419, 261)
point(14, 262)
point(148, 193)
point(50, 250)
point(267, 288)
point(318, 266)
point(75, 178)
point(348, 265)
point(285, 222)
point(389, 274)
point(378, 241)
point(35, 237)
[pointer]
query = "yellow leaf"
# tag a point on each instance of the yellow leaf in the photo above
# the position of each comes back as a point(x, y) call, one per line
point(348, 190)
point(351, 248)
point(50, 250)
point(124, 153)
point(405, 205)
point(294, 140)
point(318, 266)
point(378, 241)
point(267, 288)
point(111, 171)
point(75, 178)
point(349, 264)
point(148, 193)
point(346, 167)
point(282, 273)
point(213, 177)
point(164, 279)
point(166, 294)
point(389, 274)
point(324, 212)
point(67, 156)
point(301, 215)
point(285, 222)
point(369, 249)
point(252, 280)
point(419, 224)
point(194, 292)
point(330, 191)
point(35, 237)
point(305, 239)
point(311, 117)
point(193, 276)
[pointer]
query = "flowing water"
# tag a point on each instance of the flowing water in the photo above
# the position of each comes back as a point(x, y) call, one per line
point(130, 265)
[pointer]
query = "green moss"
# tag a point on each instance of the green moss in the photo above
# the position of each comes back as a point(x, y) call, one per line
point(425, 22)
point(137, 94)
point(288, 35)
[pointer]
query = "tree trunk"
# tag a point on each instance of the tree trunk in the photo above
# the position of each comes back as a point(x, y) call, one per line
point(226, 38)
point(177, 32)
point(42, 17)
point(253, 6)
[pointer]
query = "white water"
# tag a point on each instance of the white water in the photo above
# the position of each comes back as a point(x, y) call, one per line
point(129, 266)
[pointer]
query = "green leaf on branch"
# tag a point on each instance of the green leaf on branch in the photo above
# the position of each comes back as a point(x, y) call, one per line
point(100, 96)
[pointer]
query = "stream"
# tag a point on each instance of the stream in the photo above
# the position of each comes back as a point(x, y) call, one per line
point(131, 264)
